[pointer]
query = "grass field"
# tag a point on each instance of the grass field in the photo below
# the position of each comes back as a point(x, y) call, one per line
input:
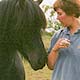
point(43, 74)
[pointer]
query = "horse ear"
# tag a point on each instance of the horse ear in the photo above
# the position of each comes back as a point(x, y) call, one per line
point(38, 1)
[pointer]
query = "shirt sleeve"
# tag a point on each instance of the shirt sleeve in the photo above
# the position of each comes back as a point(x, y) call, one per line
point(53, 40)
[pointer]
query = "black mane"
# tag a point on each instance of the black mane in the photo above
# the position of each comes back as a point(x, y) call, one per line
point(20, 25)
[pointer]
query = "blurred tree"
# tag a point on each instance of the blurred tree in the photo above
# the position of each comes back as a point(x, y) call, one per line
point(52, 22)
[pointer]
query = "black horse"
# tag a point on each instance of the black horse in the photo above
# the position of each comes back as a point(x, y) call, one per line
point(21, 22)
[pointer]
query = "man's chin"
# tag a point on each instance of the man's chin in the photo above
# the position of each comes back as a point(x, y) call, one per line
point(64, 25)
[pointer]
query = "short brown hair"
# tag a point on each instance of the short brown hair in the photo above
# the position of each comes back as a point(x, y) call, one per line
point(70, 7)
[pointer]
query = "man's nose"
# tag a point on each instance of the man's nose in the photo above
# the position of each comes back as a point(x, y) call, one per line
point(57, 17)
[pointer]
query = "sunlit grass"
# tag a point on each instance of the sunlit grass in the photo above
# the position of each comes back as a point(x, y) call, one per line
point(43, 74)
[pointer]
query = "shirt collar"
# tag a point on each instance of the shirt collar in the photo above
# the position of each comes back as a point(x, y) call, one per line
point(67, 31)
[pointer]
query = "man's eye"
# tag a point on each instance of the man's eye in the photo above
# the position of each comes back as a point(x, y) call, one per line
point(59, 14)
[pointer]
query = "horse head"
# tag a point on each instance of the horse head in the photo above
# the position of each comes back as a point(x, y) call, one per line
point(21, 22)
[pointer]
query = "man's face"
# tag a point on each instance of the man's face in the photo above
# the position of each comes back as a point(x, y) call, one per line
point(65, 19)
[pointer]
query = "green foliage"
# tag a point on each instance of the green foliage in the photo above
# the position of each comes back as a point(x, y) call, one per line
point(51, 22)
point(57, 25)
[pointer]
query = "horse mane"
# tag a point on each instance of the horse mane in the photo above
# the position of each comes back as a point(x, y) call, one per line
point(20, 26)
point(18, 19)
